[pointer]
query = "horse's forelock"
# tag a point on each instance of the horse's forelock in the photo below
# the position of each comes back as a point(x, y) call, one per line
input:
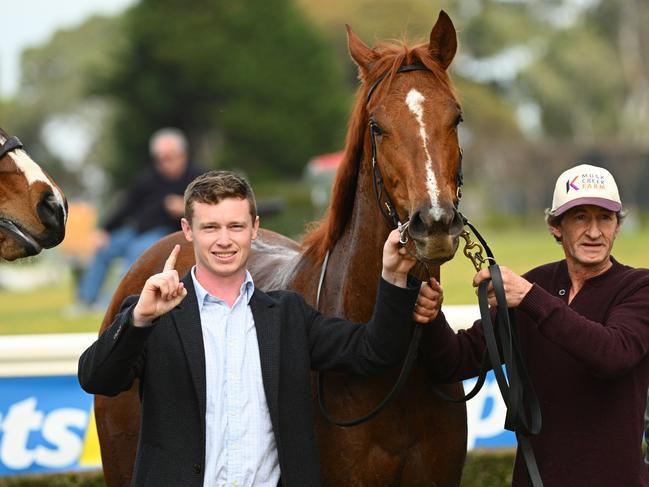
point(393, 55)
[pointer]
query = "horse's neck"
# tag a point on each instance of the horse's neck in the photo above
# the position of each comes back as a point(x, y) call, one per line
point(355, 261)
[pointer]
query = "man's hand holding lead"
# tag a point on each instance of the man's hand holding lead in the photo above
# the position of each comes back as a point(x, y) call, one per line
point(396, 261)
point(161, 293)
point(516, 287)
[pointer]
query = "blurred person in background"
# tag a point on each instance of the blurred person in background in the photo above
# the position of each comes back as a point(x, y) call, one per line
point(584, 333)
point(150, 209)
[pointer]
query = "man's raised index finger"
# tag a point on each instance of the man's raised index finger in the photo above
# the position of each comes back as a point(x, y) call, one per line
point(170, 263)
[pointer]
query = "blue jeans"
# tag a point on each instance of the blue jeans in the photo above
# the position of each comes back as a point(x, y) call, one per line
point(125, 244)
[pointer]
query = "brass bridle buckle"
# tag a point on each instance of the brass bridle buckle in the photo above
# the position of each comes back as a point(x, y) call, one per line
point(474, 251)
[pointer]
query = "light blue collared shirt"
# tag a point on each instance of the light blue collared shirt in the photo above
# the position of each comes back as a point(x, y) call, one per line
point(239, 441)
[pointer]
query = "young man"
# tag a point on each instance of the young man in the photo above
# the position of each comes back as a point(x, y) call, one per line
point(224, 368)
point(584, 328)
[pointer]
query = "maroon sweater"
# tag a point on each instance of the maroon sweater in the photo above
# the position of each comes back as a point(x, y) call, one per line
point(589, 364)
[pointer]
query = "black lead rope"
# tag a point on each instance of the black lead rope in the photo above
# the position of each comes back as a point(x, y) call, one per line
point(411, 355)
point(503, 347)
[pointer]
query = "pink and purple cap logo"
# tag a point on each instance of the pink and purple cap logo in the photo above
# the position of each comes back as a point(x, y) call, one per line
point(585, 185)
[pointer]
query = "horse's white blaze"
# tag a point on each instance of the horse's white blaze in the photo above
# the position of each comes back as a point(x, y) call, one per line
point(415, 101)
point(34, 173)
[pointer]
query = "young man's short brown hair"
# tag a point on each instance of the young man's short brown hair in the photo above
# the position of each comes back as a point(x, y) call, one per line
point(215, 186)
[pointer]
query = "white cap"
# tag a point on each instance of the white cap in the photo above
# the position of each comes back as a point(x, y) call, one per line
point(585, 185)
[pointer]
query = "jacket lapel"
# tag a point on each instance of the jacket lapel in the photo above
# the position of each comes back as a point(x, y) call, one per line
point(187, 319)
point(267, 324)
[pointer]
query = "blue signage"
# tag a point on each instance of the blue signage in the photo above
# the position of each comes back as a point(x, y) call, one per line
point(486, 417)
point(47, 426)
point(43, 424)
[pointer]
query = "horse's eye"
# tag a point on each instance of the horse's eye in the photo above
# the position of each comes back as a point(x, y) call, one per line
point(459, 120)
point(374, 127)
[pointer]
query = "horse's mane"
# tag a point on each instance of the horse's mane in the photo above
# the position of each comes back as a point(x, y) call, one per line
point(326, 232)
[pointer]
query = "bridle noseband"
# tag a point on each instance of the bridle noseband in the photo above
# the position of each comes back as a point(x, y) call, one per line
point(11, 144)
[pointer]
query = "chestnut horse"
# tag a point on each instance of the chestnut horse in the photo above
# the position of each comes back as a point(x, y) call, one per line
point(418, 440)
point(33, 210)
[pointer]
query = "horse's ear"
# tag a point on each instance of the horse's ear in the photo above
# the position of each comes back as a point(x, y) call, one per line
point(443, 40)
point(362, 55)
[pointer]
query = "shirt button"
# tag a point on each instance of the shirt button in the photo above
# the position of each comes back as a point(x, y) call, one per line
point(562, 292)
point(197, 468)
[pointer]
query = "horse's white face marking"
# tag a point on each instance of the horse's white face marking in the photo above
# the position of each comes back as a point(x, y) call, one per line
point(34, 173)
point(415, 101)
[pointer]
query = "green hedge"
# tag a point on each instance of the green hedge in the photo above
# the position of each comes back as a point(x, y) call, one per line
point(86, 479)
point(488, 468)
point(482, 469)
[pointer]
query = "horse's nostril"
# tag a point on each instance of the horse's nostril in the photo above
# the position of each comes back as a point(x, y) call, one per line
point(416, 226)
point(48, 207)
point(51, 213)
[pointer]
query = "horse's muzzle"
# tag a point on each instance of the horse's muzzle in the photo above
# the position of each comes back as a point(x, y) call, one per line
point(435, 234)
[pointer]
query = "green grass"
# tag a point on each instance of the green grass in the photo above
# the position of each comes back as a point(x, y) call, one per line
point(79, 479)
point(43, 310)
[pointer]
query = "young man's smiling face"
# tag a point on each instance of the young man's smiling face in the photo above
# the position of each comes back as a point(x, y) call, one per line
point(222, 236)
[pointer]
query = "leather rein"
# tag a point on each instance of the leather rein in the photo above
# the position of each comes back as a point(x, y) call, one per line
point(501, 335)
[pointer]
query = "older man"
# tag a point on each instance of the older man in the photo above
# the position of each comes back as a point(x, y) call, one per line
point(584, 328)
point(150, 209)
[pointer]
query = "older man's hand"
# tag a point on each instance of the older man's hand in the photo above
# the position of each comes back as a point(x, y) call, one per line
point(516, 287)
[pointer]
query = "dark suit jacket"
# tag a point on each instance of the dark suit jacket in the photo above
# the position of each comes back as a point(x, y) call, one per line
point(169, 360)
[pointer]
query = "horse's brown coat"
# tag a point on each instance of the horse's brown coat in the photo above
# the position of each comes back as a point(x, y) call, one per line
point(418, 440)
